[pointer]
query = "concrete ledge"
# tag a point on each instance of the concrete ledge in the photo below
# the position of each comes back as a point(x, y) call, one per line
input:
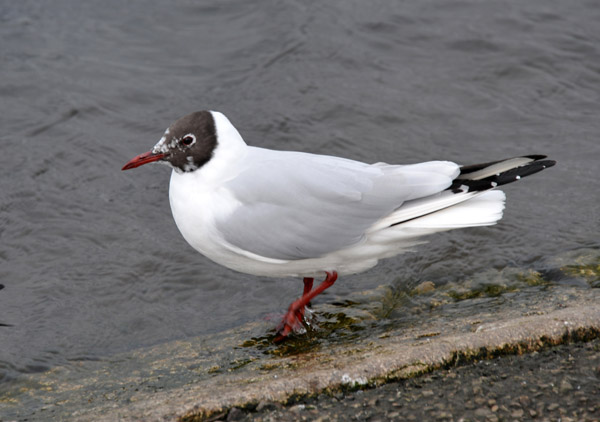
point(372, 363)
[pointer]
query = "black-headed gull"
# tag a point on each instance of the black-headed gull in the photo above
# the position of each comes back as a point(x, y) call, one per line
point(282, 213)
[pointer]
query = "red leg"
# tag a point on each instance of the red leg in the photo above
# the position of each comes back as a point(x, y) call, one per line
point(308, 284)
point(291, 320)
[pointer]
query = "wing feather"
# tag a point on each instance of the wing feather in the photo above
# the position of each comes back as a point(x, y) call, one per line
point(296, 206)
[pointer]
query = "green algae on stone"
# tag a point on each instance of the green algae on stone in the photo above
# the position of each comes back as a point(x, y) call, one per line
point(585, 267)
point(215, 369)
point(270, 366)
point(431, 334)
point(494, 283)
point(488, 290)
point(582, 264)
point(327, 327)
point(423, 288)
point(531, 278)
point(390, 300)
point(240, 363)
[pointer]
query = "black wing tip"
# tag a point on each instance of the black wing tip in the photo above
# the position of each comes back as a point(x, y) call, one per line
point(536, 159)
point(465, 170)
point(522, 171)
point(538, 164)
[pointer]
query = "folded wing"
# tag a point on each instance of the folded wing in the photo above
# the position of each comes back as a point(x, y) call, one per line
point(310, 205)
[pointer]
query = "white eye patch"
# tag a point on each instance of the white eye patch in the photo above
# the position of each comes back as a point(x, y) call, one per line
point(188, 140)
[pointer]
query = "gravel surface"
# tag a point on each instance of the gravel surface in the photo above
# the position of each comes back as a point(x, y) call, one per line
point(557, 384)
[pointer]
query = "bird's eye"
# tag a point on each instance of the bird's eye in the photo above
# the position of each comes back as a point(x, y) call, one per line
point(188, 139)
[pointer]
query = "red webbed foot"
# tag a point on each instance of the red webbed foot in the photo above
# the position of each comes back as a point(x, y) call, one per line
point(293, 319)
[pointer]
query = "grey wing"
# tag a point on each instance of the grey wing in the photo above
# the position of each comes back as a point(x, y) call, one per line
point(296, 206)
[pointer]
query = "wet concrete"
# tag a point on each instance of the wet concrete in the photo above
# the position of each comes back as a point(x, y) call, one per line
point(371, 339)
point(371, 364)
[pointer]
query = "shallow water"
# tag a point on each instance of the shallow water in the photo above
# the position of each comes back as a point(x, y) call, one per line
point(90, 258)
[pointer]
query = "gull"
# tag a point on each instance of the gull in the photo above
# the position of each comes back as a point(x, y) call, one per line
point(294, 214)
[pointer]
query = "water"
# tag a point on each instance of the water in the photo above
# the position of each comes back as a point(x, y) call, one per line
point(90, 257)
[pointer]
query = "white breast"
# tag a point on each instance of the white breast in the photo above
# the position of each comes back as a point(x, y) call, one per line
point(195, 205)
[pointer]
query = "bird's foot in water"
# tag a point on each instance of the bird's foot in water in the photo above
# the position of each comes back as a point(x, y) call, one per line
point(296, 323)
point(298, 312)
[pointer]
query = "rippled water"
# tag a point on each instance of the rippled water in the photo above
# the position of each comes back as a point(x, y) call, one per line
point(90, 258)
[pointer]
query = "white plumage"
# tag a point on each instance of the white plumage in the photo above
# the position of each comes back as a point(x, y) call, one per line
point(282, 213)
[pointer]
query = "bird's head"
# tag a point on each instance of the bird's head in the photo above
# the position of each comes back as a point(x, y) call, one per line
point(186, 145)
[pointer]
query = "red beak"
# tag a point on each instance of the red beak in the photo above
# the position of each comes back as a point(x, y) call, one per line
point(140, 160)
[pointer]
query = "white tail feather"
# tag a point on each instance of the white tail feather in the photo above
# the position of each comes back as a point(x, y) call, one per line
point(421, 207)
point(482, 210)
